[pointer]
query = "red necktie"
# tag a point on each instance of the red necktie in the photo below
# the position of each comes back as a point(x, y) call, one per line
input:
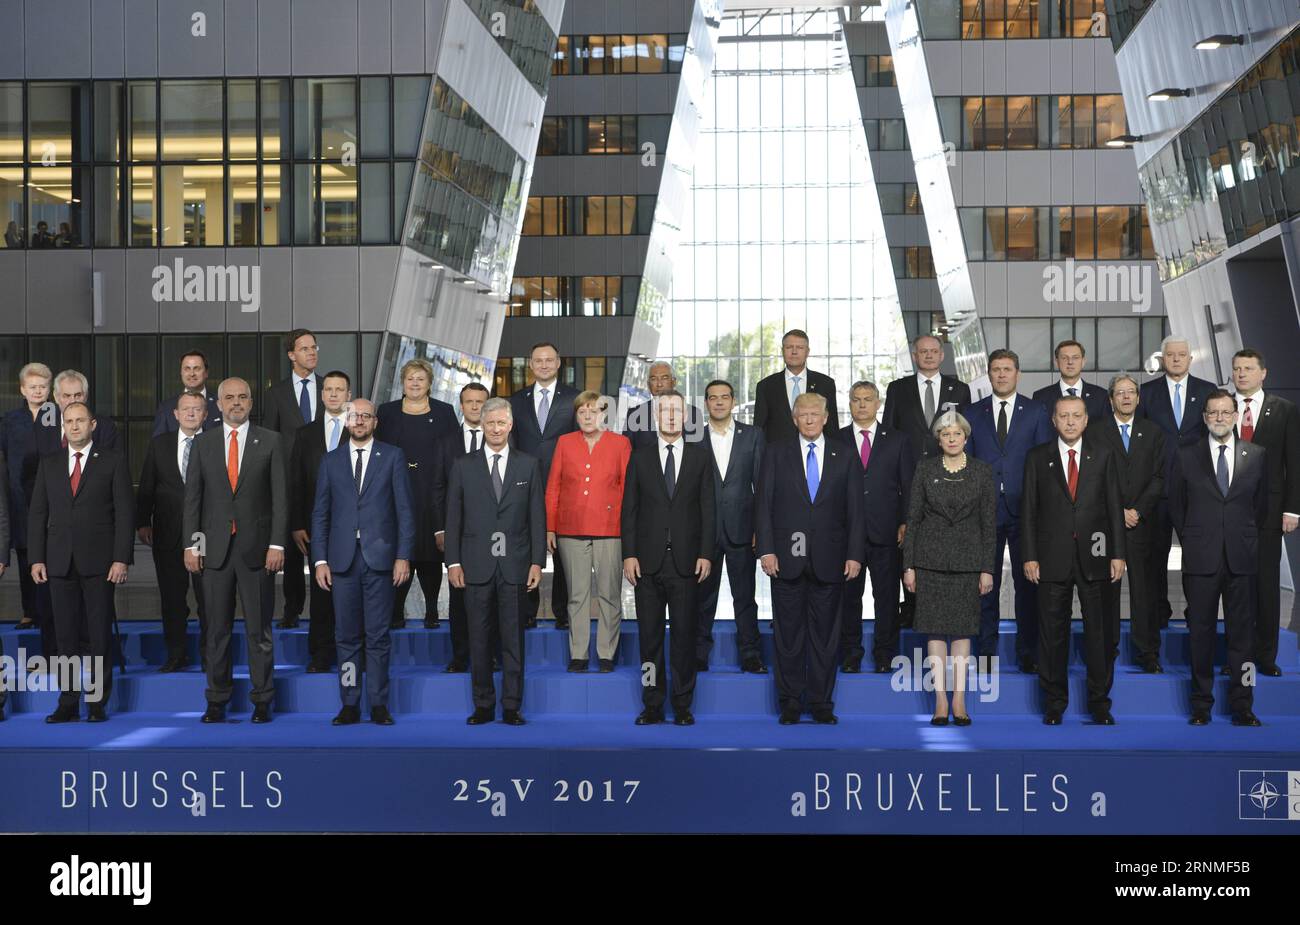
point(1073, 476)
point(1247, 424)
point(866, 447)
point(76, 473)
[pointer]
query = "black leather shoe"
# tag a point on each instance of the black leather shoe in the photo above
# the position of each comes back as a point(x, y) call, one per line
point(215, 713)
point(480, 716)
point(1103, 718)
point(432, 623)
point(883, 668)
point(288, 623)
point(851, 666)
point(1028, 666)
point(173, 663)
point(683, 718)
point(1052, 718)
point(530, 623)
point(496, 663)
point(1224, 671)
point(380, 716)
point(1245, 718)
point(1199, 718)
point(262, 713)
point(318, 667)
point(397, 623)
point(789, 716)
point(561, 623)
point(348, 716)
point(753, 665)
point(606, 665)
point(512, 718)
point(649, 717)
point(2, 714)
point(825, 717)
point(25, 623)
point(1153, 666)
point(63, 714)
point(97, 713)
point(1272, 671)
point(961, 720)
point(456, 667)
point(577, 665)
point(701, 664)
point(939, 720)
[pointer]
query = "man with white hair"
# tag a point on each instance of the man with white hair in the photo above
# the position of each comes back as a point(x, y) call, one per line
point(1174, 403)
point(642, 426)
point(69, 386)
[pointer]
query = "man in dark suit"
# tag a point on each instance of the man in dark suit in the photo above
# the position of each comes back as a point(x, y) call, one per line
point(1070, 356)
point(312, 442)
point(1218, 501)
point(4, 564)
point(1272, 422)
point(194, 379)
point(736, 452)
point(1174, 403)
point(774, 398)
point(888, 463)
point(668, 535)
point(80, 541)
point(159, 511)
point(496, 545)
point(237, 502)
point(1004, 427)
point(71, 386)
point(913, 402)
point(1072, 538)
point(641, 427)
point(362, 533)
point(1138, 447)
point(810, 526)
point(291, 404)
point(542, 412)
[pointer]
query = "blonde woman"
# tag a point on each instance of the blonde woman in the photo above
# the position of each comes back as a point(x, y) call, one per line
point(18, 442)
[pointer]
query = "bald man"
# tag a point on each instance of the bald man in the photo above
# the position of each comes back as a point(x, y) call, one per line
point(236, 516)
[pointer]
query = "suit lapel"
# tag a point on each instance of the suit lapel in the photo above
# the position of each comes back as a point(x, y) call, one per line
point(369, 474)
point(1054, 464)
point(1240, 466)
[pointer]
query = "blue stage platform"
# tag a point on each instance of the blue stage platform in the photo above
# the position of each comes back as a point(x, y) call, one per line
point(580, 764)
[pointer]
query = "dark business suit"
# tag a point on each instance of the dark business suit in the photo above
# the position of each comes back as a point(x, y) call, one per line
point(1155, 405)
point(165, 422)
point(1141, 471)
point(1095, 398)
point(50, 439)
point(733, 530)
point(642, 429)
point(453, 448)
point(4, 560)
point(282, 414)
point(811, 539)
point(1028, 426)
point(238, 528)
point(309, 449)
point(18, 441)
point(1220, 536)
point(480, 527)
point(905, 412)
point(536, 441)
point(1073, 541)
point(1277, 429)
point(886, 487)
point(666, 532)
point(773, 413)
point(160, 505)
point(360, 532)
point(79, 537)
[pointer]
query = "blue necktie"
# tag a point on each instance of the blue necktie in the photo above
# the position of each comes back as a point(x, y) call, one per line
point(304, 402)
point(185, 457)
point(1124, 429)
point(1178, 406)
point(1221, 470)
point(334, 434)
point(794, 389)
point(814, 479)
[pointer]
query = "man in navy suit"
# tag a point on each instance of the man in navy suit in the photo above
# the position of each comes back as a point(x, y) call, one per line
point(194, 380)
point(1004, 427)
point(888, 463)
point(810, 527)
point(1070, 357)
point(912, 403)
point(775, 395)
point(1174, 403)
point(736, 450)
point(362, 534)
point(1218, 501)
point(641, 426)
point(541, 413)
point(496, 543)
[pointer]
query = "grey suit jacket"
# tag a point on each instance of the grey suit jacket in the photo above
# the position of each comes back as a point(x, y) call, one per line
point(489, 538)
point(259, 503)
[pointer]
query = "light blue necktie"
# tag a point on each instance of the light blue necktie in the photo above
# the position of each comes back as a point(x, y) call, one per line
point(814, 479)
point(1124, 429)
point(1178, 405)
point(1221, 469)
point(334, 434)
point(185, 457)
point(794, 389)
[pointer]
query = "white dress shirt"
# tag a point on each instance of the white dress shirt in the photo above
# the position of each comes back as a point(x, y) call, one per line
point(364, 449)
point(72, 458)
point(180, 450)
point(468, 432)
point(997, 409)
point(226, 430)
point(820, 443)
point(1063, 449)
point(789, 384)
point(722, 444)
point(1231, 444)
point(677, 453)
point(311, 392)
point(921, 380)
point(1170, 382)
point(858, 431)
point(1065, 388)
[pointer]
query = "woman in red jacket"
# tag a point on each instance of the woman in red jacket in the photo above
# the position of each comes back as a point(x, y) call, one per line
point(584, 506)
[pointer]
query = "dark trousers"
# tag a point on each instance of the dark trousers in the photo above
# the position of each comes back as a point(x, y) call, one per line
point(885, 565)
point(1268, 615)
point(667, 590)
point(320, 632)
point(295, 587)
point(1239, 599)
point(480, 602)
point(559, 594)
point(429, 573)
point(1055, 600)
point(741, 564)
point(174, 583)
point(1143, 625)
point(83, 614)
point(457, 617)
point(42, 610)
point(1162, 540)
point(363, 606)
point(256, 587)
point(1026, 599)
point(806, 630)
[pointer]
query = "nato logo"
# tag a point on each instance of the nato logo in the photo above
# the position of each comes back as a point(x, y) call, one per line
point(1268, 795)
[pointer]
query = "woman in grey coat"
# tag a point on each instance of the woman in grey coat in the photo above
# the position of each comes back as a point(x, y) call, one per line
point(948, 553)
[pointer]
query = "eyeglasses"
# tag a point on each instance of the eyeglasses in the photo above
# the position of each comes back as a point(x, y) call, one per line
point(1224, 415)
point(362, 415)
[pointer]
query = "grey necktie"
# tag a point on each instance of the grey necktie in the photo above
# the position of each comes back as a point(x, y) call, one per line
point(543, 410)
point(670, 473)
point(497, 485)
point(1221, 469)
point(929, 400)
point(185, 457)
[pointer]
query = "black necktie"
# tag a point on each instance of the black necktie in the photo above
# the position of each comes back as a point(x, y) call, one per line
point(356, 473)
point(1002, 425)
point(670, 473)
point(473, 441)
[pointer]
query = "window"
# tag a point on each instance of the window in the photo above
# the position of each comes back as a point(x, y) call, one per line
point(977, 123)
point(1056, 232)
